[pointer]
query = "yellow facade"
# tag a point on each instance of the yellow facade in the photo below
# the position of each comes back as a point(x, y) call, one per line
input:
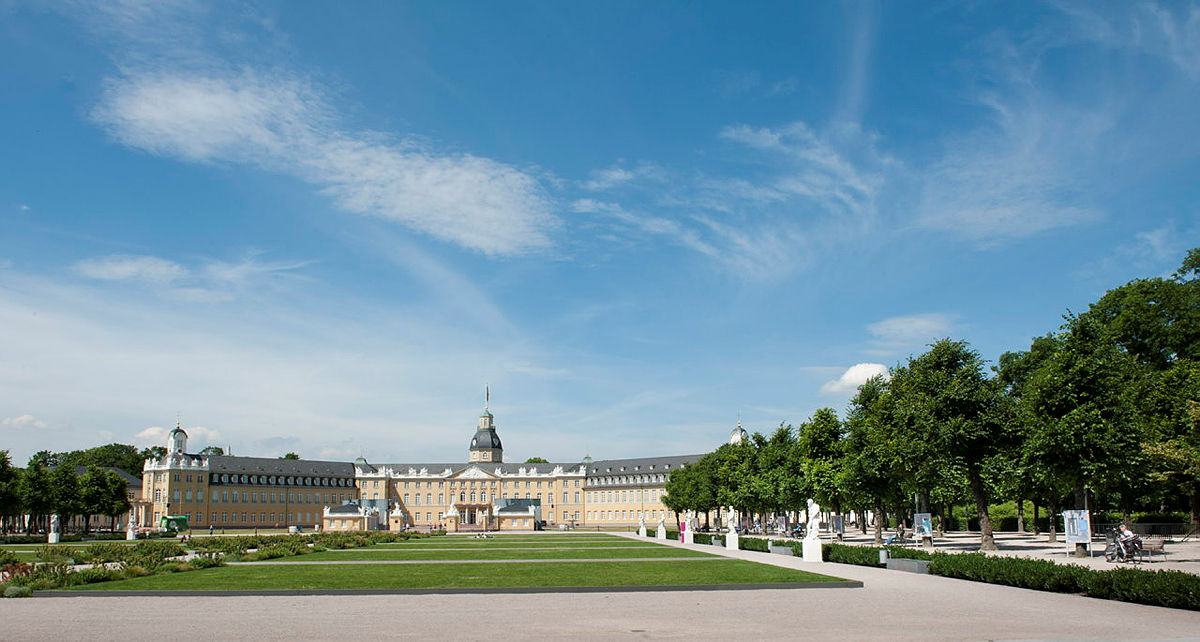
point(245, 492)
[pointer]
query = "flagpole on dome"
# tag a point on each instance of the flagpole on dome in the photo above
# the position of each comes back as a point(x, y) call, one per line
point(487, 395)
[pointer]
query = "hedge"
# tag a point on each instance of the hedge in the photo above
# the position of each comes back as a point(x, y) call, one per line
point(1174, 589)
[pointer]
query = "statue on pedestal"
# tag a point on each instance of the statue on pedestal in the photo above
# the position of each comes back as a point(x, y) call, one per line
point(732, 521)
point(814, 520)
point(53, 536)
point(661, 531)
point(641, 526)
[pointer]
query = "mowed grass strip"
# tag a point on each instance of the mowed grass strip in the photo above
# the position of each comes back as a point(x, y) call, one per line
point(434, 576)
point(485, 554)
point(514, 541)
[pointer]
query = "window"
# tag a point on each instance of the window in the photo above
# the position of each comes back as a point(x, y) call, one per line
point(576, 497)
point(252, 516)
point(441, 497)
point(243, 518)
point(243, 497)
point(376, 484)
point(564, 496)
point(405, 498)
point(254, 498)
point(200, 495)
point(428, 498)
point(187, 495)
point(224, 517)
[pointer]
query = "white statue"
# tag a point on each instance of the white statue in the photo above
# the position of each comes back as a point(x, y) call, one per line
point(52, 537)
point(814, 520)
point(661, 531)
point(641, 526)
point(130, 528)
point(732, 521)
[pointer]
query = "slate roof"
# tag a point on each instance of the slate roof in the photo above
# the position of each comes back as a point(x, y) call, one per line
point(256, 465)
point(346, 509)
point(640, 465)
point(508, 468)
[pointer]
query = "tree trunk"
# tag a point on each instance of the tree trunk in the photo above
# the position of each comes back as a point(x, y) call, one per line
point(878, 522)
point(1054, 506)
point(923, 502)
point(1036, 528)
point(1020, 515)
point(987, 541)
point(1080, 502)
point(862, 520)
point(1195, 502)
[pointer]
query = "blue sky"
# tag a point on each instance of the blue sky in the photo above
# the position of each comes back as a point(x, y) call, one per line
point(314, 229)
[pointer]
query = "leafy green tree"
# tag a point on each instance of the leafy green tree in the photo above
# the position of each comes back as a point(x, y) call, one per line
point(820, 450)
point(290, 456)
point(869, 465)
point(10, 498)
point(1084, 434)
point(945, 400)
point(1174, 406)
point(211, 451)
point(37, 498)
point(537, 460)
point(66, 493)
point(116, 497)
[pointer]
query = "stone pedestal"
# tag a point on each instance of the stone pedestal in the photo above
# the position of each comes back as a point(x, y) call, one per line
point(812, 550)
point(688, 537)
point(731, 540)
point(641, 530)
point(661, 531)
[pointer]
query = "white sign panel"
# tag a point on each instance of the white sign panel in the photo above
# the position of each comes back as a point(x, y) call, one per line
point(1078, 526)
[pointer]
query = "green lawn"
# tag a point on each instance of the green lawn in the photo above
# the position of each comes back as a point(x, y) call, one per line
point(486, 554)
point(702, 571)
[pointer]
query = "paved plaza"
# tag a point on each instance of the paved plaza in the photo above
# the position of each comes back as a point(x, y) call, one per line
point(891, 605)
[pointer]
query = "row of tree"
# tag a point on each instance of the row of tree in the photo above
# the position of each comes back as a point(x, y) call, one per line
point(1103, 413)
point(30, 496)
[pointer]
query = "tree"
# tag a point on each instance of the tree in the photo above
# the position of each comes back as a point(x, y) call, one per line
point(820, 450)
point(93, 494)
point(867, 473)
point(1084, 435)
point(290, 456)
point(212, 450)
point(65, 491)
point(117, 497)
point(36, 495)
point(537, 460)
point(1174, 406)
point(944, 399)
point(10, 498)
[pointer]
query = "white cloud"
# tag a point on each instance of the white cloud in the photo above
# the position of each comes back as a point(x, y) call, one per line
point(23, 421)
point(213, 281)
point(197, 436)
point(283, 124)
point(616, 175)
point(854, 376)
point(149, 269)
point(897, 333)
point(23, 207)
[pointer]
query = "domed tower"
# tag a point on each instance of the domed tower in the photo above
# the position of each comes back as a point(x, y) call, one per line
point(485, 445)
point(177, 441)
point(738, 434)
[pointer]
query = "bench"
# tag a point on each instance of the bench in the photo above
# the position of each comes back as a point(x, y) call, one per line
point(1152, 546)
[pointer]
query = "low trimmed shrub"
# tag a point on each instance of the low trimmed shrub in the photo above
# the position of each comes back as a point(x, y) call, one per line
point(18, 591)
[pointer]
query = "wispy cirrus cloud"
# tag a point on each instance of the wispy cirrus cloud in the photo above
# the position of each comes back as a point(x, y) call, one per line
point(150, 269)
point(282, 123)
point(895, 334)
point(212, 281)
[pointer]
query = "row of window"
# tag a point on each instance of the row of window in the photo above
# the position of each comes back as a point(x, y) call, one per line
point(254, 497)
point(374, 483)
point(627, 479)
point(256, 519)
point(610, 515)
point(625, 496)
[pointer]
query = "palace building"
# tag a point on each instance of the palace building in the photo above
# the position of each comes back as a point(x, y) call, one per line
point(482, 493)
